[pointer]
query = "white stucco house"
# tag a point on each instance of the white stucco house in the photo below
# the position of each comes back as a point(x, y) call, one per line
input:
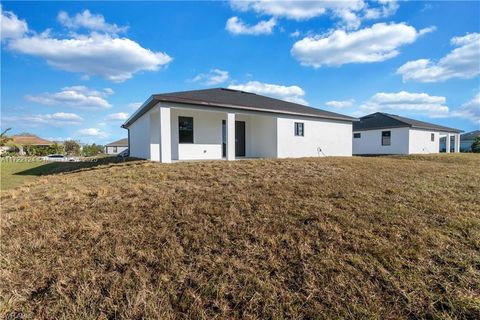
point(117, 146)
point(383, 133)
point(229, 124)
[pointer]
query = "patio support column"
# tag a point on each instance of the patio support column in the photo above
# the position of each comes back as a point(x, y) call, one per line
point(447, 143)
point(457, 142)
point(230, 136)
point(165, 135)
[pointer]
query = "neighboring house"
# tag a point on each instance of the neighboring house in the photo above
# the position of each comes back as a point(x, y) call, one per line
point(227, 124)
point(29, 140)
point(383, 133)
point(466, 141)
point(117, 146)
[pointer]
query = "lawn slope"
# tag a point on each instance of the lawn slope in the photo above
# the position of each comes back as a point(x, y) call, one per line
point(382, 238)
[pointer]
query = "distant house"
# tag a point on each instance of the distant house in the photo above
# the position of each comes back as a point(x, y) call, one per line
point(466, 141)
point(383, 133)
point(227, 124)
point(22, 140)
point(117, 146)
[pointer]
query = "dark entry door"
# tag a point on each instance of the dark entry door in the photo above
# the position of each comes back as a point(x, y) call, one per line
point(239, 138)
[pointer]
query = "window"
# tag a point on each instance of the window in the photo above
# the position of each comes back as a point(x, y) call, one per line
point(386, 135)
point(432, 137)
point(299, 129)
point(357, 135)
point(185, 129)
point(114, 149)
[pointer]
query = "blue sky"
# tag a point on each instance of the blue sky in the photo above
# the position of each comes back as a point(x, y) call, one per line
point(78, 69)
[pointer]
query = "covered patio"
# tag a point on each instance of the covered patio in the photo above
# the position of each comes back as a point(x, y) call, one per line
point(180, 132)
point(449, 140)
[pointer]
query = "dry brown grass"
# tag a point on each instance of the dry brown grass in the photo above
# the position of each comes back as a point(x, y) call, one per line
point(382, 238)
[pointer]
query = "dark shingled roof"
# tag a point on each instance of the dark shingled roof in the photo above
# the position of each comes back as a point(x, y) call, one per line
point(118, 143)
point(470, 135)
point(235, 99)
point(380, 120)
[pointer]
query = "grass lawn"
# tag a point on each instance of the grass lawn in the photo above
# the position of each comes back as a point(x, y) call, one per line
point(14, 174)
point(9, 177)
point(381, 238)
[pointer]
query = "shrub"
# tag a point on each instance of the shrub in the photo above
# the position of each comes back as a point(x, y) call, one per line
point(92, 150)
point(476, 145)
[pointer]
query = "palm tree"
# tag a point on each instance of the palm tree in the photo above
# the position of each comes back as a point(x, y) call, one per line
point(4, 138)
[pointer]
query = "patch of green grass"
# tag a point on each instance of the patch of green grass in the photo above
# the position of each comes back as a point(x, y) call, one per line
point(17, 173)
point(8, 173)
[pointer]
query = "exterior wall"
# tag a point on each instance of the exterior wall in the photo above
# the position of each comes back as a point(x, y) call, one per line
point(207, 135)
point(466, 145)
point(261, 137)
point(110, 150)
point(140, 137)
point(420, 142)
point(321, 138)
point(154, 135)
point(370, 142)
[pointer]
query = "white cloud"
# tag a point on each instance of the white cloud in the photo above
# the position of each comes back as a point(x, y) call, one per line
point(95, 54)
point(470, 110)
point(10, 26)
point(341, 104)
point(295, 34)
point(108, 91)
point(75, 96)
point(118, 116)
point(236, 26)
point(66, 116)
point(115, 59)
point(92, 132)
point(376, 43)
point(419, 103)
point(87, 20)
point(289, 93)
point(213, 77)
point(463, 62)
point(59, 139)
point(56, 119)
point(386, 9)
point(350, 13)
